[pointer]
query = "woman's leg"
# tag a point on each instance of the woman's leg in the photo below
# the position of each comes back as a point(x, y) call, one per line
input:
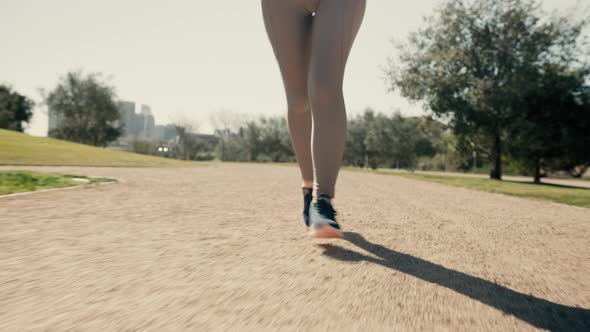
point(335, 26)
point(288, 25)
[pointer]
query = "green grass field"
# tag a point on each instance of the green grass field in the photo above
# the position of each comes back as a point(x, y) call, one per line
point(21, 181)
point(21, 149)
point(549, 192)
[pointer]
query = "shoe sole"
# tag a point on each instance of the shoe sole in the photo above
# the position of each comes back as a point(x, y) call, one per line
point(325, 232)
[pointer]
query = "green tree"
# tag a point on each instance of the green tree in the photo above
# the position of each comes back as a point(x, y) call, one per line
point(232, 148)
point(190, 144)
point(377, 140)
point(471, 63)
point(431, 138)
point(252, 140)
point(355, 152)
point(262, 139)
point(274, 139)
point(15, 109)
point(87, 109)
point(575, 154)
point(142, 146)
point(553, 128)
point(404, 136)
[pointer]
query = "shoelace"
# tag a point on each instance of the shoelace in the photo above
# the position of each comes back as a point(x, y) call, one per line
point(326, 209)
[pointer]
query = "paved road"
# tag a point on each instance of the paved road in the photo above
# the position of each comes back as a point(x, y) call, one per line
point(223, 247)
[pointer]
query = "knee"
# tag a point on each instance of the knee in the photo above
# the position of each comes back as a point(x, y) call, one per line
point(298, 105)
point(325, 96)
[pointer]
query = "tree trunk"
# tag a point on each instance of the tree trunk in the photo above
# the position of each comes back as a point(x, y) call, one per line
point(496, 171)
point(538, 170)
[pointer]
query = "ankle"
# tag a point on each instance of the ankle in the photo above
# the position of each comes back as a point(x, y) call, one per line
point(325, 197)
point(307, 183)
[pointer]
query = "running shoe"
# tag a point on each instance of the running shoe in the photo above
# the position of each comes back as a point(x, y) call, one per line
point(322, 219)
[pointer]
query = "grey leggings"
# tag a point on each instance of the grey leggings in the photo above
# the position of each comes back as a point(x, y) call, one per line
point(311, 40)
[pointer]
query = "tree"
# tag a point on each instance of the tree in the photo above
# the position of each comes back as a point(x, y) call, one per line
point(355, 152)
point(142, 146)
point(15, 109)
point(431, 139)
point(405, 135)
point(553, 129)
point(231, 149)
point(252, 140)
point(86, 108)
point(575, 157)
point(377, 140)
point(274, 139)
point(472, 62)
point(227, 120)
point(187, 137)
point(262, 139)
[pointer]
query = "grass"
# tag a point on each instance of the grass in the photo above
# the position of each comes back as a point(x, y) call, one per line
point(21, 149)
point(22, 181)
point(550, 192)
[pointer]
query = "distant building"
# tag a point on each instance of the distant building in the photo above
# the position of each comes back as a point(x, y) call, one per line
point(127, 115)
point(136, 125)
point(142, 126)
point(210, 139)
point(148, 124)
point(223, 133)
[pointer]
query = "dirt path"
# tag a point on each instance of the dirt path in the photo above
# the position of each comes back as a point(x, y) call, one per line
point(224, 247)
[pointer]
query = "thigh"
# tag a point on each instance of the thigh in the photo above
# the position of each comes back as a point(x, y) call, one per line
point(288, 25)
point(335, 27)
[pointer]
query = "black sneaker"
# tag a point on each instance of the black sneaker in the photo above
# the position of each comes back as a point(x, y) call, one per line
point(322, 219)
point(307, 198)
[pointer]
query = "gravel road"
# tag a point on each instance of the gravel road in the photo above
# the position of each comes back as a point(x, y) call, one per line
point(224, 247)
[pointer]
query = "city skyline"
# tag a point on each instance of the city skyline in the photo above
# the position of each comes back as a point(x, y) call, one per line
point(191, 59)
point(138, 124)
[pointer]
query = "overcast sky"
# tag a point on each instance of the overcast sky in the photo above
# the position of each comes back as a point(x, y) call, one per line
point(189, 58)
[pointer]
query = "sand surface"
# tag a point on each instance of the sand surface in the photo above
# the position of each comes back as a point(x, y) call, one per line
point(224, 247)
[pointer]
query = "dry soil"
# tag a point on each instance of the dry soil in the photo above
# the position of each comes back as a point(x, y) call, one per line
point(224, 247)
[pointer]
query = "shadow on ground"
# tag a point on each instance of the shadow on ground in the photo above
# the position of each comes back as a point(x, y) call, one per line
point(535, 311)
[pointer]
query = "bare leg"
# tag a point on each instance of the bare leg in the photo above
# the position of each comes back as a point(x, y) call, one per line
point(335, 26)
point(288, 24)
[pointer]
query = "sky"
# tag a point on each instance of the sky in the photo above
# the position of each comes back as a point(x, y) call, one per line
point(189, 59)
